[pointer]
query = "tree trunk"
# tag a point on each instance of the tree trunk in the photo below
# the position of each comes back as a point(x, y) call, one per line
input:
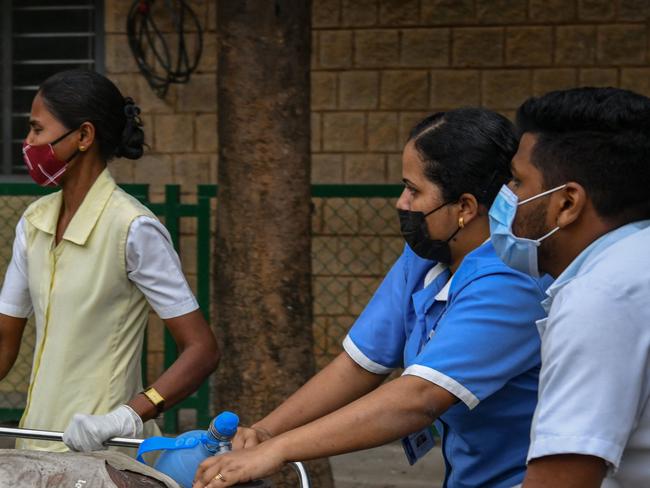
point(263, 261)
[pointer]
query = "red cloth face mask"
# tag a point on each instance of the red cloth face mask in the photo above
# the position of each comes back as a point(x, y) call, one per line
point(43, 165)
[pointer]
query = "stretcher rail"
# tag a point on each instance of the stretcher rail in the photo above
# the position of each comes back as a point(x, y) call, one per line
point(48, 435)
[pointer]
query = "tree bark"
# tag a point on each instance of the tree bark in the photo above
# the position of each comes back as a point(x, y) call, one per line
point(263, 262)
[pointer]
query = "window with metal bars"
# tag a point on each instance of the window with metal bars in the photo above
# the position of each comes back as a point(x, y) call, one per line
point(39, 38)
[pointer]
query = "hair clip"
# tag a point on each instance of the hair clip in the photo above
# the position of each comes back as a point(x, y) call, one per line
point(131, 110)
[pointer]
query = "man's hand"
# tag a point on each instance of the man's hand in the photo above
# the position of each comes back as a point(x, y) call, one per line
point(89, 432)
point(249, 437)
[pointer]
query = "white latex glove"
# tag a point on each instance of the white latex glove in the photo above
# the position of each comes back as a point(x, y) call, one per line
point(89, 432)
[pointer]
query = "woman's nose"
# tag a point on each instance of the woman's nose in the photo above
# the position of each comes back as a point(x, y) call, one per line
point(403, 200)
point(29, 138)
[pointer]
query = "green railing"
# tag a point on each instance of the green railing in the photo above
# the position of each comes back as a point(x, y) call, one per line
point(357, 238)
point(172, 210)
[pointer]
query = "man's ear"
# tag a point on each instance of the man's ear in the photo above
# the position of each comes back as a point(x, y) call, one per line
point(569, 203)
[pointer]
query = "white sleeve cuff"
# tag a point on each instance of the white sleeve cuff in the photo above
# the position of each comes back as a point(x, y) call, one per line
point(15, 300)
point(549, 445)
point(178, 309)
point(21, 312)
point(362, 360)
point(444, 381)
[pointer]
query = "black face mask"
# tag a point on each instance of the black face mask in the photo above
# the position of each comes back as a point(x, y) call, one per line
point(414, 230)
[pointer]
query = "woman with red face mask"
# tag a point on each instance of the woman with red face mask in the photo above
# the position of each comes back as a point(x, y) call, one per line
point(88, 261)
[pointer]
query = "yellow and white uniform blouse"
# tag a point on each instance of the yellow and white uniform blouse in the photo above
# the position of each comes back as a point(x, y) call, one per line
point(89, 297)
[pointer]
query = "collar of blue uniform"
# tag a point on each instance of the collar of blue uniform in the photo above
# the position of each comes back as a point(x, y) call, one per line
point(44, 213)
point(435, 288)
point(443, 294)
point(433, 273)
point(584, 260)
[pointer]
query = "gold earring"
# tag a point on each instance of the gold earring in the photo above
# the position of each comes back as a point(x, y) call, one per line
point(461, 222)
point(82, 148)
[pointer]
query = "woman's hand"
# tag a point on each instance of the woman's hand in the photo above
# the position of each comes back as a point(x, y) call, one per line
point(247, 437)
point(239, 467)
point(89, 432)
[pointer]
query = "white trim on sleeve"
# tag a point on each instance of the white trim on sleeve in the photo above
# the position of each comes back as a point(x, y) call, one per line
point(362, 360)
point(444, 381)
point(178, 310)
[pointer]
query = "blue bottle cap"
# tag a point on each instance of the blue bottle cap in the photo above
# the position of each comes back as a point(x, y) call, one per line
point(225, 424)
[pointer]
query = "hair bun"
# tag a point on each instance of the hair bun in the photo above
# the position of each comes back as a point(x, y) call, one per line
point(131, 110)
point(132, 144)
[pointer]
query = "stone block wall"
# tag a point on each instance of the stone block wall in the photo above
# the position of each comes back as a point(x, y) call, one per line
point(181, 129)
point(378, 66)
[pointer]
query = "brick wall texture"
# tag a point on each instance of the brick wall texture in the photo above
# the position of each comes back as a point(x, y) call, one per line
point(380, 65)
point(377, 67)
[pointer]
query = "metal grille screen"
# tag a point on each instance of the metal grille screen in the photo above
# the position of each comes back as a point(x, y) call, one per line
point(35, 45)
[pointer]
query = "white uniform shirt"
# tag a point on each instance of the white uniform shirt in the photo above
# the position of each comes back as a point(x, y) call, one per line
point(151, 263)
point(594, 387)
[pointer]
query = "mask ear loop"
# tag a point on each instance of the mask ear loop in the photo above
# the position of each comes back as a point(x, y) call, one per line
point(540, 195)
point(74, 155)
point(547, 192)
point(437, 208)
point(454, 234)
point(56, 141)
point(548, 234)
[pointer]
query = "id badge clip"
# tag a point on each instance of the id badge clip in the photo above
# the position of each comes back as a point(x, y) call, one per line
point(416, 445)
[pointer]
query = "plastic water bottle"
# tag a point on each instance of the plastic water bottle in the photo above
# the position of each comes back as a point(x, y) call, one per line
point(181, 456)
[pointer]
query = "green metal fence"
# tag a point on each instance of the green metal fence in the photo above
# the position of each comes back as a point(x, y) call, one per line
point(355, 240)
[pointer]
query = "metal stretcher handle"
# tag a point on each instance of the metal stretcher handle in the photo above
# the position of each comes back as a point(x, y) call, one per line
point(48, 435)
point(302, 474)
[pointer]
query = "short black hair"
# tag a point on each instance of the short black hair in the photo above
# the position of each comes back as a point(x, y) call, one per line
point(599, 138)
point(77, 96)
point(467, 150)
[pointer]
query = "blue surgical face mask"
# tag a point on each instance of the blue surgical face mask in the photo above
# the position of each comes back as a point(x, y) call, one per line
point(517, 252)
